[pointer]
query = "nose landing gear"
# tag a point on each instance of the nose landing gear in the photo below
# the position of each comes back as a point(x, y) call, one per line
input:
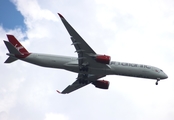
point(157, 81)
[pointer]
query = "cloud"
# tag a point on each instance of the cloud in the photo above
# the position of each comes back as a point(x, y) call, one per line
point(3, 115)
point(33, 11)
point(53, 116)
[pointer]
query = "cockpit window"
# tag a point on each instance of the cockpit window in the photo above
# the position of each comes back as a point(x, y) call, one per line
point(161, 70)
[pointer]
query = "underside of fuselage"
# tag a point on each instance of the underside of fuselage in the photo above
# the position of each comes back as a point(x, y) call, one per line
point(62, 62)
point(71, 64)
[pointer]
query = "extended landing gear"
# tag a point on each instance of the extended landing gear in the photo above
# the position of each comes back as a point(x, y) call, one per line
point(157, 81)
point(83, 68)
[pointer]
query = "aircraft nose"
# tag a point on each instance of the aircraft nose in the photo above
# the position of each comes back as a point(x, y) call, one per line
point(165, 76)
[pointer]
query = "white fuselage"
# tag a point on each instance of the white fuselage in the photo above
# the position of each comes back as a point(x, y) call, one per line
point(114, 68)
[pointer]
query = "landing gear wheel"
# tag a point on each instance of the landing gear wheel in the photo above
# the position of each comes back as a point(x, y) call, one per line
point(80, 68)
point(156, 83)
point(83, 68)
point(86, 69)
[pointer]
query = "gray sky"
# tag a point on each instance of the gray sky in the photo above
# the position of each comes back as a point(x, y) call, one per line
point(129, 31)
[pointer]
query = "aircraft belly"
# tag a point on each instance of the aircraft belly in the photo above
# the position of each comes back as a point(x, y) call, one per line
point(133, 72)
point(47, 60)
point(96, 71)
point(127, 71)
point(71, 64)
point(99, 71)
point(61, 62)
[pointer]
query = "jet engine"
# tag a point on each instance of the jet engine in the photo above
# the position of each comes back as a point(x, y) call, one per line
point(103, 59)
point(103, 84)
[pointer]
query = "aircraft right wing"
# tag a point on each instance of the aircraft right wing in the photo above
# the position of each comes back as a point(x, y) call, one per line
point(85, 52)
point(82, 80)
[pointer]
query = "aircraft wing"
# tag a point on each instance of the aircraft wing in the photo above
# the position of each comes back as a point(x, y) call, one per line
point(82, 80)
point(85, 52)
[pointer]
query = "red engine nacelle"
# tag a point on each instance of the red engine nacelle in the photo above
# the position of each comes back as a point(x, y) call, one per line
point(103, 59)
point(103, 84)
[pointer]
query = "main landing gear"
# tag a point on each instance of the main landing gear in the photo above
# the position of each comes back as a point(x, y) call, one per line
point(158, 79)
point(84, 67)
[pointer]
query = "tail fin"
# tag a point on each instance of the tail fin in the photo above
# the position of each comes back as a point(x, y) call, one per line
point(12, 51)
point(16, 50)
point(17, 44)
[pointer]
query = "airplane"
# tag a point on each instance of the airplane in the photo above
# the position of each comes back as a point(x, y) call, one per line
point(89, 65)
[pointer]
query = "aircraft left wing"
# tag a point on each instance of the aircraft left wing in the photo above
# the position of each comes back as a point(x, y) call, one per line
point(82, 80)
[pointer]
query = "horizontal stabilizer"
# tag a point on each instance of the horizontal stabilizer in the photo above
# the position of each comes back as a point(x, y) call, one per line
point(10, 59)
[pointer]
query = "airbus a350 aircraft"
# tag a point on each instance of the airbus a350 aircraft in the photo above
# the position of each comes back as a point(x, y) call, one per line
point(89, 65)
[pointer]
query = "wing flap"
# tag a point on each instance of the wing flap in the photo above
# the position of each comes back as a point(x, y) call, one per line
point(85, 52)
point(72, 87)
point(77, 84)
point(75, 37)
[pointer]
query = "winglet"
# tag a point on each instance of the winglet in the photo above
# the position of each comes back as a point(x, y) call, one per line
point(58, 92)
point(60, 15)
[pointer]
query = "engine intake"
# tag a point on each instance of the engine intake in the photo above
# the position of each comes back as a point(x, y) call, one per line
point(103, 84)
point(103, 59)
